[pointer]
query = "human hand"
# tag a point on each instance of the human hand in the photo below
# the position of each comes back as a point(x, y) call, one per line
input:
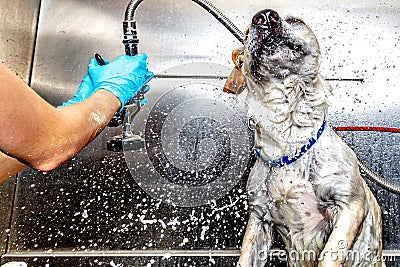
point(86, 88)
point(123, 77)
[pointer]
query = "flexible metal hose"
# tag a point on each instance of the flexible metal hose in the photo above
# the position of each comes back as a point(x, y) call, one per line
point(133, 4)
point(221, 18)
point(380, 181)
point(131, 8)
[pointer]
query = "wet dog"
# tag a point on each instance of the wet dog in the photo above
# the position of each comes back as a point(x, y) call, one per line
point(305, 183)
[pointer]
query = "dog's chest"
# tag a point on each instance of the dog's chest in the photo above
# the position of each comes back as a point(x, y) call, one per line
point(291, 202)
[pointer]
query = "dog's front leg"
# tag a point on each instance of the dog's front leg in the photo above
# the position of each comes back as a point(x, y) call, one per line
point(258, 237)
point(342, 236)
point(256, 243)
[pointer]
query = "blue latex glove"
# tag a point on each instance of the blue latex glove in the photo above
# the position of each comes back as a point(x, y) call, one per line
point(123, 77)
point(87, 88)
point(84, 91)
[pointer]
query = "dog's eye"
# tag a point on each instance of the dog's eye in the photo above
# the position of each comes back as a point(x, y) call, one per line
point(296, 24)
point(293, 20)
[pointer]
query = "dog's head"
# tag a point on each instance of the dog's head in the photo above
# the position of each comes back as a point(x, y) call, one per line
point(279, 66)
point(274, 48)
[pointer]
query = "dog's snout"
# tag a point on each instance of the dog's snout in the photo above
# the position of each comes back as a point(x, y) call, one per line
point(266, 17)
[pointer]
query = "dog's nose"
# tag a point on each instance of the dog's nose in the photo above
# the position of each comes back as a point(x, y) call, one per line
point(266, 18)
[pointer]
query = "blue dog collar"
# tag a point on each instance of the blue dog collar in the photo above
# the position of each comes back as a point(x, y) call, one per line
point(286, 160)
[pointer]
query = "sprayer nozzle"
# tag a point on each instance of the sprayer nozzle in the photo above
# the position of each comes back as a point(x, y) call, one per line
point(130, 37)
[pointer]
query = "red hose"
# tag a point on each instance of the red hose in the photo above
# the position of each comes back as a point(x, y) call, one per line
point(366, 128)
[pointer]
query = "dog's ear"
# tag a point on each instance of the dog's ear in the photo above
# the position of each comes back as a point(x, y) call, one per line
point(235, 84)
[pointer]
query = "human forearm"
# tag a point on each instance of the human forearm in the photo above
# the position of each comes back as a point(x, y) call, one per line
point(66, 131)
point(76, 126)
point(83, 122)
point(41, 135)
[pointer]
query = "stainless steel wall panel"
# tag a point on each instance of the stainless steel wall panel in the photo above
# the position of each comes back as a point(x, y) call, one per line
point(17, 34)
point(93, 203)
point(69, 33)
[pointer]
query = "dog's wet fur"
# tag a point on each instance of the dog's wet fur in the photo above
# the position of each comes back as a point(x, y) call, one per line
point(319, 204)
